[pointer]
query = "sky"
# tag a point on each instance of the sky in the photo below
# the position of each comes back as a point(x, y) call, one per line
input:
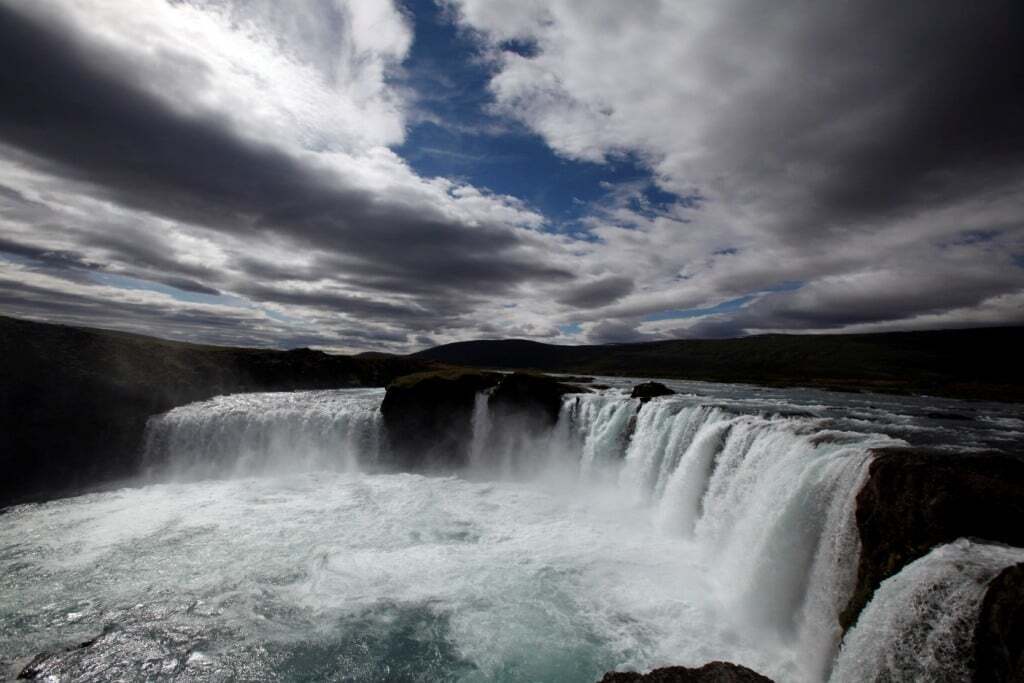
point(368, 175)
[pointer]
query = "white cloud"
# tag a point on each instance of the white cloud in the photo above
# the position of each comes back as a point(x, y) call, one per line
point(826, 143)
point(309, 74)
point(830, 143)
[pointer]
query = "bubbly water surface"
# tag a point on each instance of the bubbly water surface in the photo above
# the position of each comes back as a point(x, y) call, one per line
point(355, 577)
point(268, 544)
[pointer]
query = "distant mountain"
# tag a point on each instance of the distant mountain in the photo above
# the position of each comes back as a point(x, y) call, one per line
point(982, 363)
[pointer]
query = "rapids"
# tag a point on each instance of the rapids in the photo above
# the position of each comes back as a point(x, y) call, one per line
point(269, 541)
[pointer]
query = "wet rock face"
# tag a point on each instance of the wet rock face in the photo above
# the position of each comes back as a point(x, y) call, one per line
point(428, 416)
point(714, 672)
point(536, 395)
point(914, 500)
point(999, 634)
point(648, 390)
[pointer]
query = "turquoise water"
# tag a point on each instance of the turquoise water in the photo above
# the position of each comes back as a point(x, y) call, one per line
point(267, 543)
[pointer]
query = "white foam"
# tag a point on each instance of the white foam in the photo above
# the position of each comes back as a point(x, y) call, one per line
point(920, 623)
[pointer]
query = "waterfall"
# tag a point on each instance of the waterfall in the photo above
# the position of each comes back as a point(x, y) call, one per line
point(265, 433)
point(766, 500)
point(601, 423)
point(920, 623)
point(481, 425)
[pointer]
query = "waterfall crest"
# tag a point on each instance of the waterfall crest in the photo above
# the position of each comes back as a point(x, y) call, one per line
point(766, 499)
point(266, 433)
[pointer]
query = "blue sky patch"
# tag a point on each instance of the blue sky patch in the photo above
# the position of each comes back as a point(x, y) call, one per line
point(725, 306)
point(456, 136)
point(679, 313)
point(128, 282)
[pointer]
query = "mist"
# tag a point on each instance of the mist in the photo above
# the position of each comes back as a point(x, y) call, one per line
point(628, 534)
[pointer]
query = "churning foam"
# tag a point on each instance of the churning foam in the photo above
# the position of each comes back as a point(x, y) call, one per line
point(675, 532)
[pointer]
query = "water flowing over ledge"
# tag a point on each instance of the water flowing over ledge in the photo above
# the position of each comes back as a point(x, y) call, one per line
point(265, 434)
point(920, 624)
point(767, 499)
point(616, 534)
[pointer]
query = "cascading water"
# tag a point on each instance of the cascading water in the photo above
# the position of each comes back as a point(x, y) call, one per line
point(679, 531)
point(481, 425)
point(765, 499)
point(920, 622)
point(258, 434)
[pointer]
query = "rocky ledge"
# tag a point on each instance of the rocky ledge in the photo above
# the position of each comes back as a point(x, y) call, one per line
point(999, 634)
point(648, 390)
point(914, 500)
point(714, 672)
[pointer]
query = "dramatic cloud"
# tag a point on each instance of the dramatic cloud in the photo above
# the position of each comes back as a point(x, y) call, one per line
point(598, 292)
point(822, 141)
point(200, 199)
point(233, 171)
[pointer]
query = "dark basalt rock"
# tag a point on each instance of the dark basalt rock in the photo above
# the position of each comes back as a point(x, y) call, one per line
point(537, 395)
point(714, 672)
point(648, 390)
point(428, 416)
point(914, 500)
point(999, 634)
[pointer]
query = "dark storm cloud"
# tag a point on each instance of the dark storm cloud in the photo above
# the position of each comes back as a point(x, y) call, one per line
point(597, 293)
point(137, 254)
point(88, 125)
point(211, 324)
point(617, 332)
point(872, 151)
point(884, 109)
point(42, 257)
point(833, 142)
point(359, 307)
point(873, 298)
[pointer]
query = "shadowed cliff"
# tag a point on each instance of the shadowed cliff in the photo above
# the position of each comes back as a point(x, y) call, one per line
point(75, 401)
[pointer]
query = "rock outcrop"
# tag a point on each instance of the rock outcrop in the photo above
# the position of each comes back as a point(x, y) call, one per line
point(999, 633)
point(714, 672)
point(428, 416)
point(536, 396)
point(914, 500)
point(648, 390)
